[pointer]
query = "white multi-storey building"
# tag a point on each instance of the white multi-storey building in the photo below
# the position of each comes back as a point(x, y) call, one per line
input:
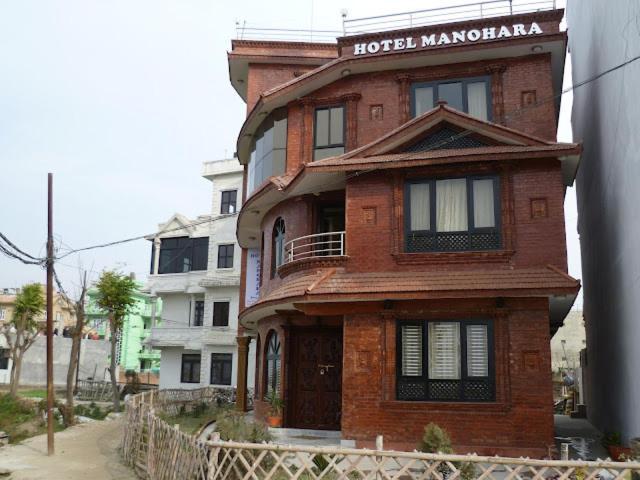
point(195, 269)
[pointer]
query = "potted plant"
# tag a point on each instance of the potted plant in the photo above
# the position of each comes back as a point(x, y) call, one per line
point(612, 441)
point(274, 418)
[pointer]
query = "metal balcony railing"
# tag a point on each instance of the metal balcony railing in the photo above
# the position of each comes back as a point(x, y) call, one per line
point(329, 244)
point(396, 21)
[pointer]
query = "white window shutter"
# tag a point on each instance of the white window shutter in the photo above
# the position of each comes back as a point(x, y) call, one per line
point(444, 350)
point(477, 351)
point(411, 338)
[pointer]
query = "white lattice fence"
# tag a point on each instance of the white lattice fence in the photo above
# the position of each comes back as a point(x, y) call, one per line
point(159, 451)
point(245, 461)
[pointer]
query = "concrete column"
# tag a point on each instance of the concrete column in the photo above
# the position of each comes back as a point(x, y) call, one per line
point(154, 303)
point(192, 310)
point(156, 255)
point(243, 364)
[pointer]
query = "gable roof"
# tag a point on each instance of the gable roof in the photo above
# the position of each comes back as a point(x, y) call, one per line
point(501, 143)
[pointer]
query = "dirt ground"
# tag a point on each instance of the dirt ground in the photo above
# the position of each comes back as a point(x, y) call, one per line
point(86, 451)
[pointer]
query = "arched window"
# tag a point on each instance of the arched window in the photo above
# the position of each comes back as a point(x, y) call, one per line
point(272, 364)
point(277, 246)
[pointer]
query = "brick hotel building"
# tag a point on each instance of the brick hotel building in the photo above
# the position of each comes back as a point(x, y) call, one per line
point(403, 239)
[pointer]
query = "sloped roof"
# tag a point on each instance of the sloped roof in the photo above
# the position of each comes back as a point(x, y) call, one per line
point(338, 285)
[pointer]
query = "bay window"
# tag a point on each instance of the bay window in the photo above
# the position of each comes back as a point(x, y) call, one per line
point(445, 360)
point(470, 95)
point(452, 214)
point(268, 150)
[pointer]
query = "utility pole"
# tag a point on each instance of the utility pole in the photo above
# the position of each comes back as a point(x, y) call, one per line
point(50, 391)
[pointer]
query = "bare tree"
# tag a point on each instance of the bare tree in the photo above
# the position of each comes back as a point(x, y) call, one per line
point(22, 330)
point(77, 306)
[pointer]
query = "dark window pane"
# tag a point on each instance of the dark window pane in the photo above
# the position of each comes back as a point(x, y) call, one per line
point(200, 253)
point(452, 94)
point(221, 364)
point(228, 202)
point(190, 371)
point(220, 314)
point(225, 256)
point(198, 314)
point(280, 133)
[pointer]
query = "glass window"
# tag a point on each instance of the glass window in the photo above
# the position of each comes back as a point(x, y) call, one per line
point(225, 256)
point(183, 254)
point(470, 95)
point(466, 212)
point(272, 364)
point(198, 313)
point(269, 150)
point(190, 371)
point(220, 314)
point(458, 355)
point(452, 94)
point(228, 203)
point(277, 256)
point(221, 368)
point(328, 132)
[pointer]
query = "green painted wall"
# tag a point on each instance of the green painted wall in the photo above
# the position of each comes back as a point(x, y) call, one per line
point(136, 327)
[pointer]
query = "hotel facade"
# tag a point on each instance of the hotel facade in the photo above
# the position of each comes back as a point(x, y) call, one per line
point(402, 230)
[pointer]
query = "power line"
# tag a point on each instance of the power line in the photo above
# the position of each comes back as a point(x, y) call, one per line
point(12, 245)
point(142, 237)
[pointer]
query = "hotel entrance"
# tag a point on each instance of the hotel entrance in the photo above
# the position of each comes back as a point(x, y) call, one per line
point(316, 378)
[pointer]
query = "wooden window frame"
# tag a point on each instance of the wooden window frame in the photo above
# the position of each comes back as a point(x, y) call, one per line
point(315, 128)
point(471, 229)
point(464, 377)
point(465, 81)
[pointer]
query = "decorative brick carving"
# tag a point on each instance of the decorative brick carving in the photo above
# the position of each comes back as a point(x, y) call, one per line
point(363, 360)
point(539, 208)
point(369, 215)
point(528, 98)
point(376, 112)
point(531, 361)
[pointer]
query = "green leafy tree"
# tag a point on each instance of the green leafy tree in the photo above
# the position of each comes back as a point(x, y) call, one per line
point(22, 330)
point(116, 297)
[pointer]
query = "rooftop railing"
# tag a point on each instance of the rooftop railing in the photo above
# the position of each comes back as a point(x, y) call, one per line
point(396, 21)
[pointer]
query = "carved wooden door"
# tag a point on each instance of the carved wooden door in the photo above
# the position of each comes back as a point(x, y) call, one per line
point(316, 367)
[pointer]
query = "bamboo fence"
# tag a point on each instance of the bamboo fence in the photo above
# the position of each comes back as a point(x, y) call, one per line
point(158, 451)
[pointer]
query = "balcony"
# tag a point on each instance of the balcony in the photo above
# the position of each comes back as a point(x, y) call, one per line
point(313, 250)
point(191, 338)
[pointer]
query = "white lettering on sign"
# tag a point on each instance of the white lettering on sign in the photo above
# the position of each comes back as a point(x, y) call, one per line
point(252, 291)
point(446, 38)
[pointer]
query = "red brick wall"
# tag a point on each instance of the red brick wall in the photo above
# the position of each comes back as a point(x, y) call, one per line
point(519, 422)
point(265, 76)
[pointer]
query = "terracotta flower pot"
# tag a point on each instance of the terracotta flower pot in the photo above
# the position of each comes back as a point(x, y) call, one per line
point(617, 450)
point(275, 422)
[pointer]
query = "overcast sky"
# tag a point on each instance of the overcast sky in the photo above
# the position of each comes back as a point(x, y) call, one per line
point(123, 101)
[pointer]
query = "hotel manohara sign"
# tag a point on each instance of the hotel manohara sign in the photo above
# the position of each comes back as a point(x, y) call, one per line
point(435, 40)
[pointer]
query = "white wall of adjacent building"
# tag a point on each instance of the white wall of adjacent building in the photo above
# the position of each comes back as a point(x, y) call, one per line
point(176, 334)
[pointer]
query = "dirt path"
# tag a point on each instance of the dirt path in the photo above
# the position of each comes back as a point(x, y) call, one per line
point(84, 452)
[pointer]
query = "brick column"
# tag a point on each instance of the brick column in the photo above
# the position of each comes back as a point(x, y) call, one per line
point(243, 364)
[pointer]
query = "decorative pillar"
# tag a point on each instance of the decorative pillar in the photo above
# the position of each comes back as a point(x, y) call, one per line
point(403, 98)
point(306, 144)
point(243, 365)
point(497, 99)
point(156, 255)
point(351, 104)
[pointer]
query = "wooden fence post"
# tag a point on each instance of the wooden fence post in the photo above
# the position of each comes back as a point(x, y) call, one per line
point(213, 457)
point(150, 447)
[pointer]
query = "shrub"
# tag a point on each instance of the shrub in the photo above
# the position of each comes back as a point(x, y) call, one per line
point(232, 425)
point(437, 440)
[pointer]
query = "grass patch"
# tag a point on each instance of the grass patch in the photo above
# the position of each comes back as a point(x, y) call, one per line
point(92, 411)
point(191, 421)
point(21, 418)
point(35, 393)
